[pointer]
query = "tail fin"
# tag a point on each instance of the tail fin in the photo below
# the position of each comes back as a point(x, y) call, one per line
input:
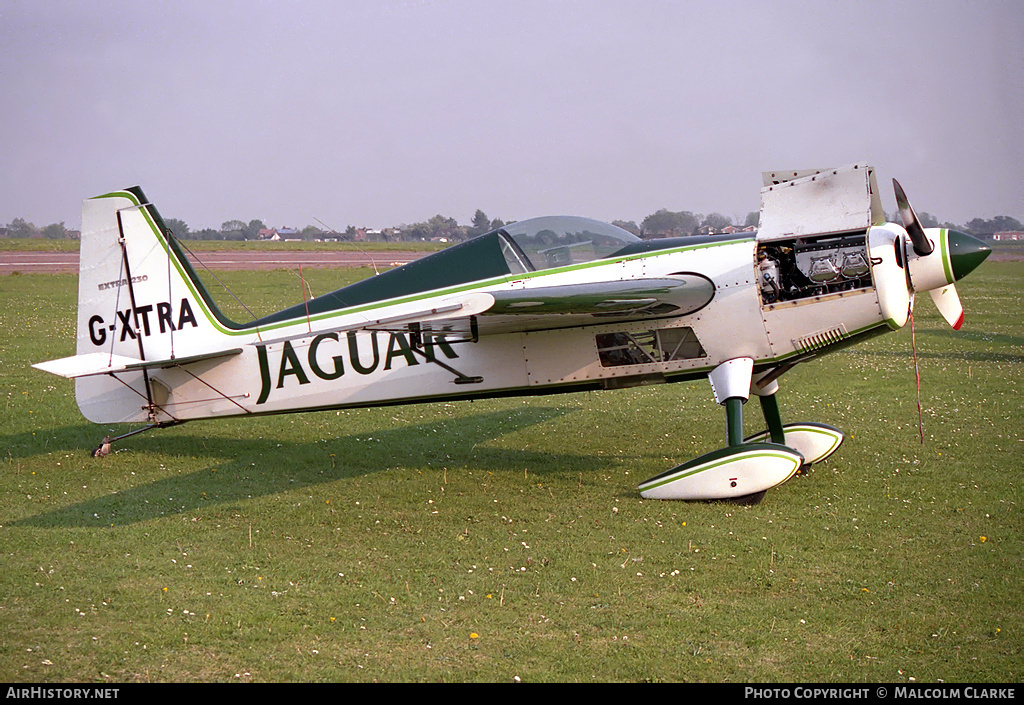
point(140, 307)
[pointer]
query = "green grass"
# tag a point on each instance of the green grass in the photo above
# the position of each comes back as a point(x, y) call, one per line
point(37, 245)
point(488, 540)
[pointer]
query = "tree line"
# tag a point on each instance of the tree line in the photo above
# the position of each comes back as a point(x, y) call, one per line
point(443, 228)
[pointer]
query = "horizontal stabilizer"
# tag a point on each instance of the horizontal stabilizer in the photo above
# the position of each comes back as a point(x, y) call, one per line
point(99, 363)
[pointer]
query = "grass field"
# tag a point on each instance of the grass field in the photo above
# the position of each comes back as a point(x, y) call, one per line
point(492, 540)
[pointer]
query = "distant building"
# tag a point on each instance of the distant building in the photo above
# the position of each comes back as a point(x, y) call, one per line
point(1009, 235)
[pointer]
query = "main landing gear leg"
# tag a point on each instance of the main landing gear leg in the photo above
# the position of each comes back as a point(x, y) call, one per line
point(772, 417)
point(740, 472)
point(814, 441)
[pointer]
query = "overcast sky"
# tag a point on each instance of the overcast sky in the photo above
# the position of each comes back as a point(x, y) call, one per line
point(381, 113)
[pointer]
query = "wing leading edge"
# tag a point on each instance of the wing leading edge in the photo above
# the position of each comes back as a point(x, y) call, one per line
point(570, 305)
point(684, 293)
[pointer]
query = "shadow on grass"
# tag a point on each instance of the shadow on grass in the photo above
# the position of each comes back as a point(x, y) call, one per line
point(259, 467)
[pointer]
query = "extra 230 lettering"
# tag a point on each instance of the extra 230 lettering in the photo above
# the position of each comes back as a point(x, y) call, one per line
point(143, 320)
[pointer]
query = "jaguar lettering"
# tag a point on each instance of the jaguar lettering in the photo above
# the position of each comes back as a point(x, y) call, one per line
point(328, 357)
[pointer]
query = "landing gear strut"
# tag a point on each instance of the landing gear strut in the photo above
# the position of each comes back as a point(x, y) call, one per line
point(748, 467)
point(743, 470)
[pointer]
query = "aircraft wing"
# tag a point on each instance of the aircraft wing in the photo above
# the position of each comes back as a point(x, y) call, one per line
point(560, 306)
point(596, 298)
point(595, 302)
point(469, 315)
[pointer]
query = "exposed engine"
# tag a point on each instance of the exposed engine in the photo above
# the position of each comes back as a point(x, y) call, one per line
point(814, 266)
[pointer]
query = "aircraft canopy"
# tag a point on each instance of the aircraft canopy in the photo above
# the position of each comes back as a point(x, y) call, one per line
point(557, 241)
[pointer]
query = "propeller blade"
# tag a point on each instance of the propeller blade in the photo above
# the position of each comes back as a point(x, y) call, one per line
point(948, 303)
point(902, 244)
point(910, 222)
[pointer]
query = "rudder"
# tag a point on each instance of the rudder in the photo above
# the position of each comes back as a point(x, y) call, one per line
point(140, 306)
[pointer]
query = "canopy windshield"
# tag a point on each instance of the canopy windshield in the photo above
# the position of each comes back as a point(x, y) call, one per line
point(557, 241)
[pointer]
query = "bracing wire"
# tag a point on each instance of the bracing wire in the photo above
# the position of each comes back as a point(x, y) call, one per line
point(217, 279)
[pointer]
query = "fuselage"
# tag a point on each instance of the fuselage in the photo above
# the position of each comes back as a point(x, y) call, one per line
point(331, 359)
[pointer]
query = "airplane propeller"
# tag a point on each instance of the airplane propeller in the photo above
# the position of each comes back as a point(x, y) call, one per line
point(911, 224)
point(948, 302)
point(940, 257)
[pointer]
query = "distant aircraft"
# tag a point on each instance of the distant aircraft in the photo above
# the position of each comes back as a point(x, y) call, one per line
point(542, 306)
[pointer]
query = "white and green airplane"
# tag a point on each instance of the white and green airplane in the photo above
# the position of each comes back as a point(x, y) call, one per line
point(541, 306)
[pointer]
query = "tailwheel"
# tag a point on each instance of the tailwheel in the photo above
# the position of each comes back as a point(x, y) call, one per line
point(103, 449)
